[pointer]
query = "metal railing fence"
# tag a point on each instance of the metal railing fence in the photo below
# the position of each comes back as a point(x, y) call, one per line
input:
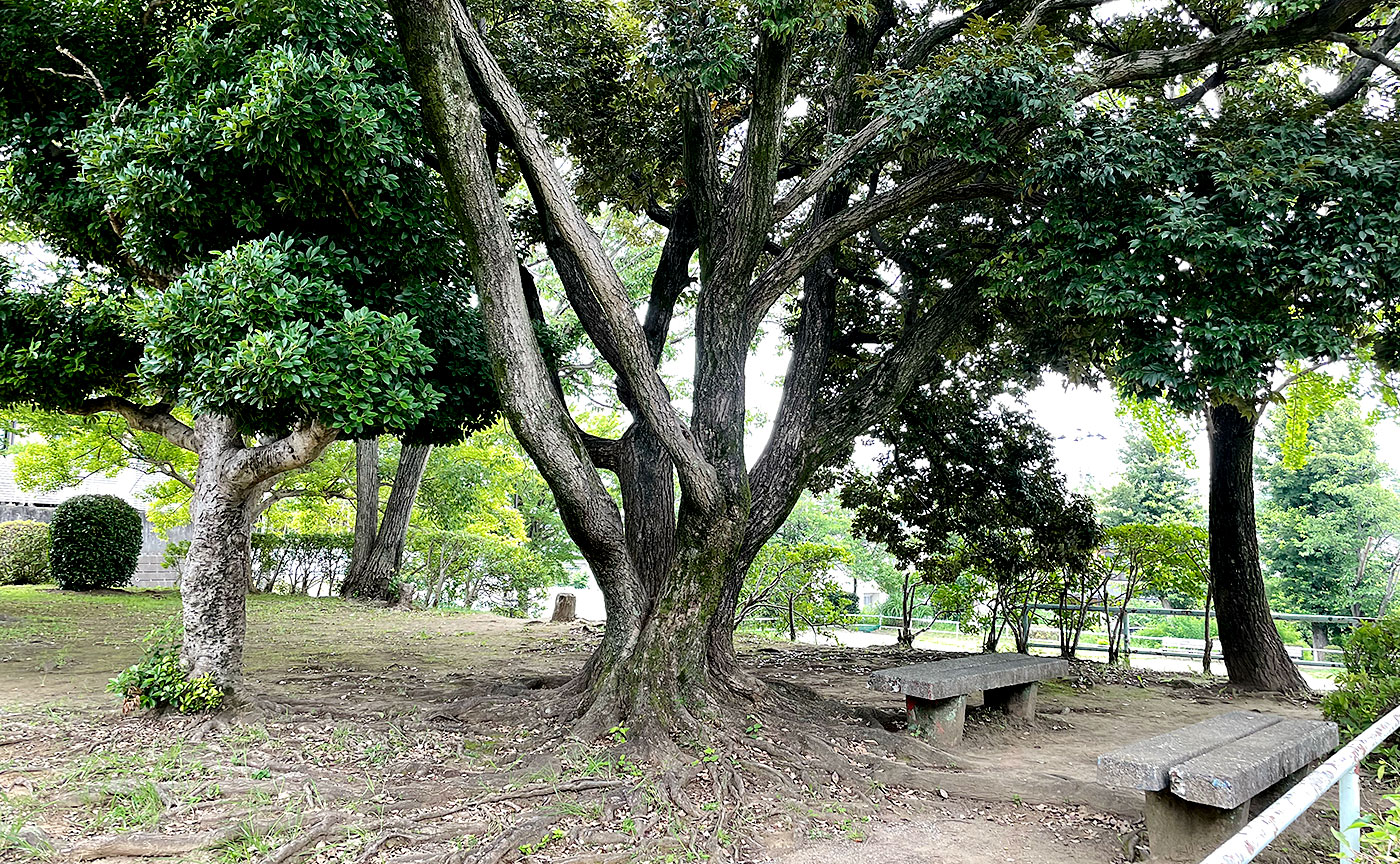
point(1096, 641)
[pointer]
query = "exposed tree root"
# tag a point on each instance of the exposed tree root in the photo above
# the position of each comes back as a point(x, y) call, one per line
point(289, 851)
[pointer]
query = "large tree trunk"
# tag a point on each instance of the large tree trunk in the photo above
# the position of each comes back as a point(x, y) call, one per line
point(217, 573)
point(377, 578)
point(1254, 654)
point(366, 507)
point(229, 485)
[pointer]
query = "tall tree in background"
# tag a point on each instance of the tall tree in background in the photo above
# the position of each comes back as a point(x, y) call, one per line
point(240, 194)
point(1329, 527)
point(1209, 256)
point(822, 148)
point(1153, 490)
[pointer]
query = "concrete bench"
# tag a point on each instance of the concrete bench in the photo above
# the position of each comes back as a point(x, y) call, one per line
point(935, 694)
point(1201, 782)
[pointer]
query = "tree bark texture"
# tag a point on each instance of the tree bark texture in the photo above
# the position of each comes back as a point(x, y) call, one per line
point(366, 507)
point(377, 577)
point(229, 484)
point(1254, 653)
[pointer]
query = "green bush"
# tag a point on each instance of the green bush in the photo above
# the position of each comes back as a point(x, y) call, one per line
point(96, 542)
point(157, 681)
point(1368, 687)
point(24, 553)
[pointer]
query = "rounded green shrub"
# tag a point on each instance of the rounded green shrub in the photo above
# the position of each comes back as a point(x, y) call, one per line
point(96, 542)
point(24, 553)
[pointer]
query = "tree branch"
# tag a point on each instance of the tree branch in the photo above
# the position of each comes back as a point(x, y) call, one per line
point(253, 465)
point(813, 183)
point(1165, 62)
point(938, 183)
point(156, 419)
point(1361, 73)
point(452, 119)
point(601, 281)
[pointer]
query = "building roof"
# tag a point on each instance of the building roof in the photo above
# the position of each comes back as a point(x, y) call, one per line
point(124, 485)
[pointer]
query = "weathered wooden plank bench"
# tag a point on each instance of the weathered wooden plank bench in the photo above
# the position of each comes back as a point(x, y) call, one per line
point(1202, 781)
point(935, 694)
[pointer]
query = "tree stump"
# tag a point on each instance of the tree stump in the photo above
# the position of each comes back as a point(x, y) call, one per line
point(564, 606)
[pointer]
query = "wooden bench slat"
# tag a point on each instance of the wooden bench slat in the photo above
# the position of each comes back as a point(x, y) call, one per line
point(958, 676)
point(1233, 773)
point(1147, 764)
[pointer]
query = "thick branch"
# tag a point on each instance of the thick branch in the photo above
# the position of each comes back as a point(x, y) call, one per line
point(1361, 73)
point(452, 119)
point(147, 418)
point(1166, 62)
point(556, 204)
point(938, 183)
point(813, 183)
point(254, 465)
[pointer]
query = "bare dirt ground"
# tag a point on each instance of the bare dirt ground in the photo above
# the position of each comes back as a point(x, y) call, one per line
point(384, 735)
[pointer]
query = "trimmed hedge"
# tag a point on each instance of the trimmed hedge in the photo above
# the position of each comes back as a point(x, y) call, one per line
point(24, 553)
point(96, 542)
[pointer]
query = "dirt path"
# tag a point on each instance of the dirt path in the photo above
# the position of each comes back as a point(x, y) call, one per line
point(387, 711)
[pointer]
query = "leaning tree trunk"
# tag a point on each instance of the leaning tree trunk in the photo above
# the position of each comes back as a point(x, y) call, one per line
point(377, 579)
point(1255, 656)
point(366, 509)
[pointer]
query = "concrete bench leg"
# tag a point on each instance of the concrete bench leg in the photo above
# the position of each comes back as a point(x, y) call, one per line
point(1183, 831)
point(1018, 701)
point(940, 719)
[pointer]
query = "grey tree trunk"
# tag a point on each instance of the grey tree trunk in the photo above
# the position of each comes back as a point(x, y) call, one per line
point(217, 574)
point(377, 579)
point(229, 485)
point(366, 506)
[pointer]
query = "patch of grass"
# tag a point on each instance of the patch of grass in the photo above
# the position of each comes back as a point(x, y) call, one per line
point(127, 810)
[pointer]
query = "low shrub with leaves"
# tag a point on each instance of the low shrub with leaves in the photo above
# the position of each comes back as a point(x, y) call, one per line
point(1380, 834)
point(96, 542)
point(1368, 686)
point(158, 682)
point(24, 553)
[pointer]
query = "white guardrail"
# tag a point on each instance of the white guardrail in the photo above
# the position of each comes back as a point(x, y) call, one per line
point(1342, 771)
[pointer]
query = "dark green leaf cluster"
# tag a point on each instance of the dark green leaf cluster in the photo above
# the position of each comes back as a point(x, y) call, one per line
point(970, 481)
point(63, 341)
point(1197, 253)
point(265, 332)
point(965, 102)
point(96, 542)
point(24, 553)
point(272, 194)
point(157, 681)
point(59, 61)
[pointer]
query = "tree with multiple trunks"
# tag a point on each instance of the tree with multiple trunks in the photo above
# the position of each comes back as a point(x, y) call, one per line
point(841, 170)
point(1212, 259)
point(241, 197)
